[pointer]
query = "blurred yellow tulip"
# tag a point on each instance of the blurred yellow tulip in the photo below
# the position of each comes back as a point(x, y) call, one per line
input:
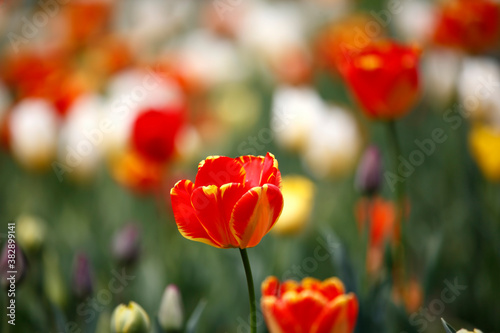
point(298, 195)
point(484, 143)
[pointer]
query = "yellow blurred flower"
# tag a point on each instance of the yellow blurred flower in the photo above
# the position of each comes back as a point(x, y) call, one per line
point(129, 318)
point(465, 331)
point(31, 231)
point(298, 195)
point(484, 143)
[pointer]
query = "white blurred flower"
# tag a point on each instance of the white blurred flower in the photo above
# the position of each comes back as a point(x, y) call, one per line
point(149, 22)
point(415, 22)
point(82, 137)
point(295, 112)
point(479, 88)
point(267, 29)
point(440, 68)
point(333, 147)
point(208, 60)
point(33, 127)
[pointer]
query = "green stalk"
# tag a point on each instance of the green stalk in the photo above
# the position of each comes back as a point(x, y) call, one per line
point(399, 250)
point(251, 290)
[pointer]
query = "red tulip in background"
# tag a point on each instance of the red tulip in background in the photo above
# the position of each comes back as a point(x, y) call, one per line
point(470, 25)
point(384, 78)
point(311, 306)
point(233, 202)
point(154, 133)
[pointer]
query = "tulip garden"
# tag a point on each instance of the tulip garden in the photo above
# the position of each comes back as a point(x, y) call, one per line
point(281, 166)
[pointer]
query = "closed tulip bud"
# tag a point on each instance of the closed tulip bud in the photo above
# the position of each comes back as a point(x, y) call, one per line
point(369, 173)
point(82, 276)
point(129, 318)
point(170, 314)
point(12, 259)
point(126, 244)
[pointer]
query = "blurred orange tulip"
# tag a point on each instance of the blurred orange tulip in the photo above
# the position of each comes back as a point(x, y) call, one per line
point(311, 306)
point(470, 25)
point(384, 78)
point(233, 203)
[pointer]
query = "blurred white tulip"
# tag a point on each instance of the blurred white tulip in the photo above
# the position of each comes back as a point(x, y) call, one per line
point(82, 137)
point(334, 145)
point(33, 125)
point(440, 68)
point(295, 112)
point(479, 88)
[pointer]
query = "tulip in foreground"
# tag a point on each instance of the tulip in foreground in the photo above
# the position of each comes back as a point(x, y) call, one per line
point(311, 306)
point(233, 202)
point(384, 78)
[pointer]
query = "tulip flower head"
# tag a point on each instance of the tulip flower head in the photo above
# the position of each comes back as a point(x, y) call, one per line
point(130, 318)
point(170, 314)
point(384, 78)
point(469, 25)
point(369, 173)
point(484, 142)
point(233, 202)
point(154, 133)
point(311, 306)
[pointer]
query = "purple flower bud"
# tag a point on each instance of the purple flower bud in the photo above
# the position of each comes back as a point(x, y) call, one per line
point(82, 276)
point(13, 264)
point(126, 244)
point(369, 173)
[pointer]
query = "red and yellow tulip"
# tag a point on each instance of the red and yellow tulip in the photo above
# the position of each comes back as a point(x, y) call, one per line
point(384, 79)
point(311, 306)
point(233, 202)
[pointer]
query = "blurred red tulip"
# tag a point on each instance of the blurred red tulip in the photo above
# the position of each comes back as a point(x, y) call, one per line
point(470, 25)
point(311, 306)
point(384, 78)
point(233, 202)
point(154, 133)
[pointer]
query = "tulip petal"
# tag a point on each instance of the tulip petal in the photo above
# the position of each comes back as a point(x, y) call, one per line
point(270, 286)
point(208, 205)
point(306, 305)
point(277, 316)
point(185, 216)
point(338, 316)
point(261, 170)
point(219, 170)
point(255, 214)
point(332, 288)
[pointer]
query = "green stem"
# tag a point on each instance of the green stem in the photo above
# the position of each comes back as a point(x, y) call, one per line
point(251, 290)
point(396, 148)
point(399, 227)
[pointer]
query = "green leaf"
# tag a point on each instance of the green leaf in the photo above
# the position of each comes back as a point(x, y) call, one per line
point(448, 327)
point(195, 316)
